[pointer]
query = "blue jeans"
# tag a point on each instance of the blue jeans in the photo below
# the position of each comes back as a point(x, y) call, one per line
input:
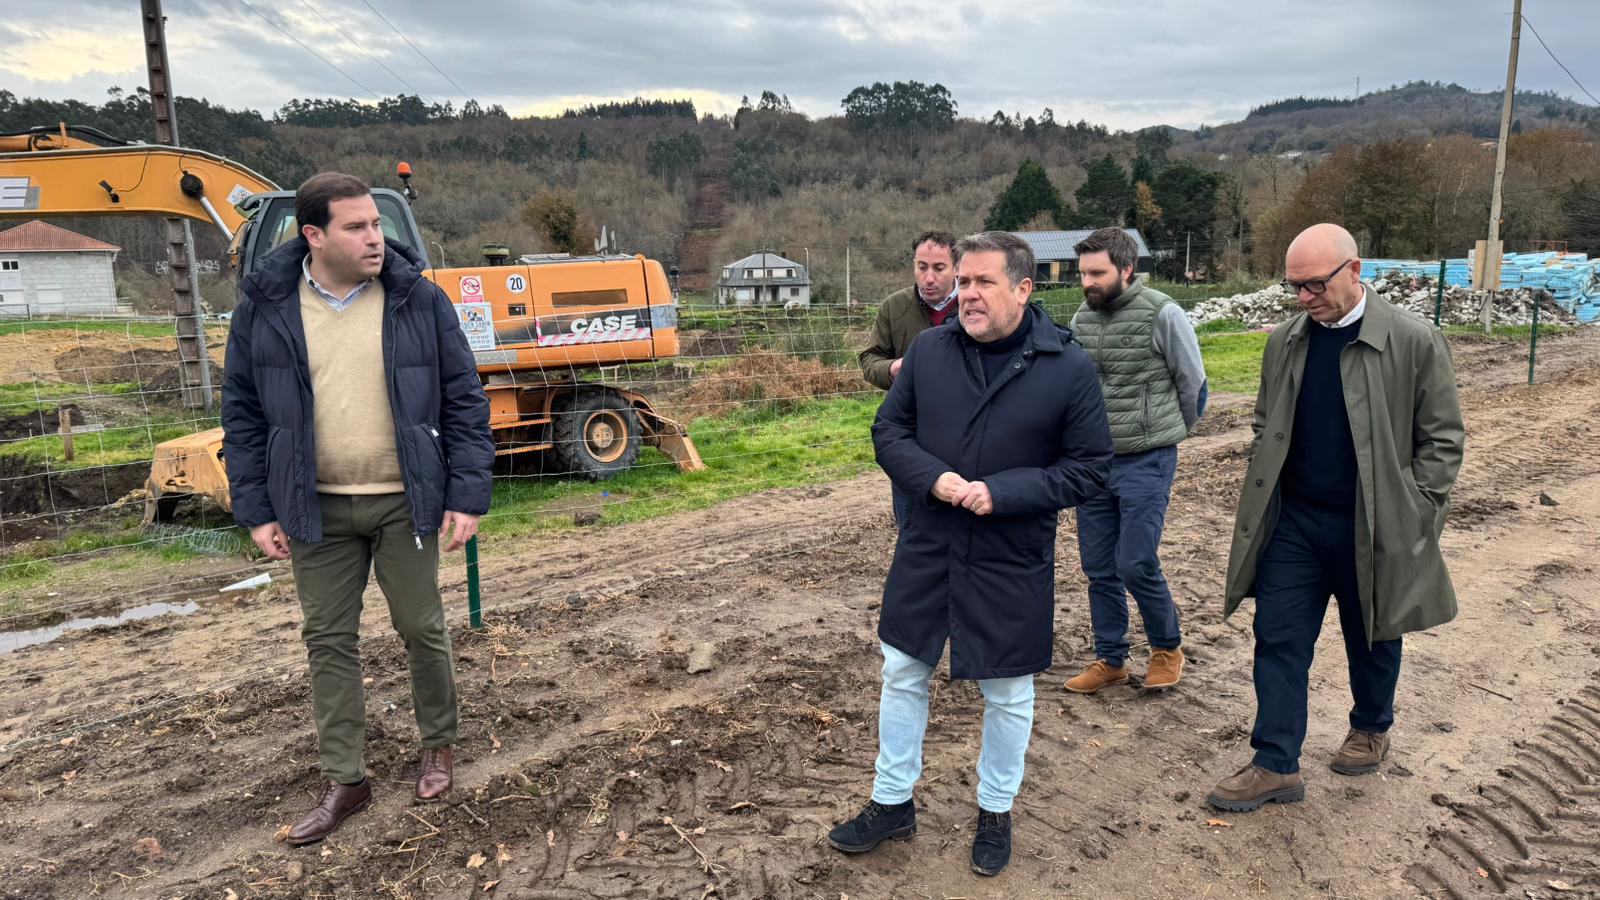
point(903, 718)
point(1119, 534)
point(1310, 555)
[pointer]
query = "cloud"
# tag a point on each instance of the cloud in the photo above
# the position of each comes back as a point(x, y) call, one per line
point(1178, 62)
point(62, 54)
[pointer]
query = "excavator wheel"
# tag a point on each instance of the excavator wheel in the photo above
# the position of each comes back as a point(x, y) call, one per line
point(597, 434)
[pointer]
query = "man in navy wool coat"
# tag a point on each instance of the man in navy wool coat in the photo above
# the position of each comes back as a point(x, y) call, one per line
point(995, 424)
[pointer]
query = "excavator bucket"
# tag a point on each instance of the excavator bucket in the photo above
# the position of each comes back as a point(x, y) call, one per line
point(669, 436)
point(184, 467)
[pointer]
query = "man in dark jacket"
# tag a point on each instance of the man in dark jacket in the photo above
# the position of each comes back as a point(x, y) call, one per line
point(994, 425)
point(356, 433)
point(907, 313)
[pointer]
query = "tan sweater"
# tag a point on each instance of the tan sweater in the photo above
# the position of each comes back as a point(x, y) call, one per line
point(354, 424)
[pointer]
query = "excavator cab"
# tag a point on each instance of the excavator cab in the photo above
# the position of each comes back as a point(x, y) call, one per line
point(272, 223)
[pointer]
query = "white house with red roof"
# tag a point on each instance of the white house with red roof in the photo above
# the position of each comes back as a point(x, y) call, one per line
point(46, 270)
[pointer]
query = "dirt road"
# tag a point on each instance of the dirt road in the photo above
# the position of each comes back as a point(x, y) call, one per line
point(594, 764)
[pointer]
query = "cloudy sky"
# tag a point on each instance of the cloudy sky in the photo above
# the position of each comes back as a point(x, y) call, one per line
point(1127, 65)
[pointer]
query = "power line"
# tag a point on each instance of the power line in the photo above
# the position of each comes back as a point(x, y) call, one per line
point(424, 56)
point(369, 91)
point(357, 45)
point(1558, 61)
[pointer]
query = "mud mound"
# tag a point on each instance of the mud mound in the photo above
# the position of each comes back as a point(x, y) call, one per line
point(775, 380)
point(33, 424)
point(98, 365)
point(28, 490)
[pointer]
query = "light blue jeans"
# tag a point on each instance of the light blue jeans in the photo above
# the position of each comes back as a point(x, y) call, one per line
point(903, 719)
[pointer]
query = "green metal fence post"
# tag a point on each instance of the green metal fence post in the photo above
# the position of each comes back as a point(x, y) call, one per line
point(1533, 336)
point(474, 598)
point(1438, 297)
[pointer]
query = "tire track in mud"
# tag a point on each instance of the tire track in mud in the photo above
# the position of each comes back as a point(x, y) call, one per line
point(1535, 826)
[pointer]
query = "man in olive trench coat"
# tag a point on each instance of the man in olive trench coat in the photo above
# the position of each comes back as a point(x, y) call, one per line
point(1358, 439)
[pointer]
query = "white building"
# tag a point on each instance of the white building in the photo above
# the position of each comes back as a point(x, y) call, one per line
point(50, 271)
point(764, 279)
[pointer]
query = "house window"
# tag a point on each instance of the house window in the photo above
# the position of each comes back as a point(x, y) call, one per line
point(726, 274)
point(794, 292)
point(772, 273)
point(788, 273)
point(10, 275)
point(751, 273)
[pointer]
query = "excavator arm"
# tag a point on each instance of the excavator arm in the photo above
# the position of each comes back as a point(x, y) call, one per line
point(63, 175)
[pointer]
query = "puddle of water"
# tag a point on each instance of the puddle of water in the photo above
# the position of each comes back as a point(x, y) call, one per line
point(16, 640)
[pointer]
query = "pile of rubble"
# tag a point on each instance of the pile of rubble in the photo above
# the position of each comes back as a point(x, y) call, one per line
point(1258, 309)
point(1463, 306)
point(1273, 305)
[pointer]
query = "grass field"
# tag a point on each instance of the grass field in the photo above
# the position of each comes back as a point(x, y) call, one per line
point(149, 329)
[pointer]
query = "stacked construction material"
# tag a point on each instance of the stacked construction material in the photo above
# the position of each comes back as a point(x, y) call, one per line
point(1573, 279)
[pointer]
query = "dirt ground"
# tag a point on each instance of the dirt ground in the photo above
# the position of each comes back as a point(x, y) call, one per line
point(592, 763)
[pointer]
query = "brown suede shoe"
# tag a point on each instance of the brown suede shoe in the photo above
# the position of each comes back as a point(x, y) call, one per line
point(1166, 668)
point(339, 802)
point(1361, 753)
point(1097, 676)
point(1252, 786)
point(437, 766)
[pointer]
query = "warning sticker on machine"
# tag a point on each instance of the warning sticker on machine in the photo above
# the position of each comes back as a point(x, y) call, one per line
point(477, 323)
point(582, 328)
point(471, 287)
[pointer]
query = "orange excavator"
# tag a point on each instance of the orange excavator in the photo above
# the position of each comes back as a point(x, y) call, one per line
point(540, 326)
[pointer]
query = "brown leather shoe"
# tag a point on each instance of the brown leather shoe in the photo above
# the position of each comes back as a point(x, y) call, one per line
point(1361, 753)
point(1252, 786)
point(437, 766)
point(339, 802)
point(1166, 668)
point(1097, 676)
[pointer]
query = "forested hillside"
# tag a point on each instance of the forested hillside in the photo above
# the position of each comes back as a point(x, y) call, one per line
point(1408, 167)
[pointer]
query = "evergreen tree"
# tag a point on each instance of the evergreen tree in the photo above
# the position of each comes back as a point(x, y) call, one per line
point(1106, 196)
point(1029, 194)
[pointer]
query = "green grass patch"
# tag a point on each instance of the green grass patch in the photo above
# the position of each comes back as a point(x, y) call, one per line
point(113, 446)
point(1233, 361)
point(33, 564)
point(745, 452)
point(1222, 326)
point(1503, 334)
point(33, 396)
point(135, 329)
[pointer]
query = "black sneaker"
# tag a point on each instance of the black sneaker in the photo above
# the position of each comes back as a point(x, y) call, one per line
point(875, 824)
point(991, 846)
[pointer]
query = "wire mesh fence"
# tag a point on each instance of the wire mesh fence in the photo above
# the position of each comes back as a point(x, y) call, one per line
point(771, 395)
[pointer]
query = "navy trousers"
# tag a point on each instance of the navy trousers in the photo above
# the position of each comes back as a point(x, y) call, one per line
point(1119, 534)
point(1311, 555)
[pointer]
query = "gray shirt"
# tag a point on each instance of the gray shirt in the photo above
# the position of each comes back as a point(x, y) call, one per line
point(1174, 340)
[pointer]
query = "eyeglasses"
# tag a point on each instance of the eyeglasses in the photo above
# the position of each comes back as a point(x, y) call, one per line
point(1315, 285)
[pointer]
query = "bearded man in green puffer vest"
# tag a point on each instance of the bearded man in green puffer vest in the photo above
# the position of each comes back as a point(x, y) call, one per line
point(1148, 359)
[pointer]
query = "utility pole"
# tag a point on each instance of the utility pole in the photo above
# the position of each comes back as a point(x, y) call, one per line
point(847, 273)
point(1486, 270)
point(194, 364)
point(1188, 241)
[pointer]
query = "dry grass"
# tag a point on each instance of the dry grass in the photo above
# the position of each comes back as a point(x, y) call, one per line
point(764, 378)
